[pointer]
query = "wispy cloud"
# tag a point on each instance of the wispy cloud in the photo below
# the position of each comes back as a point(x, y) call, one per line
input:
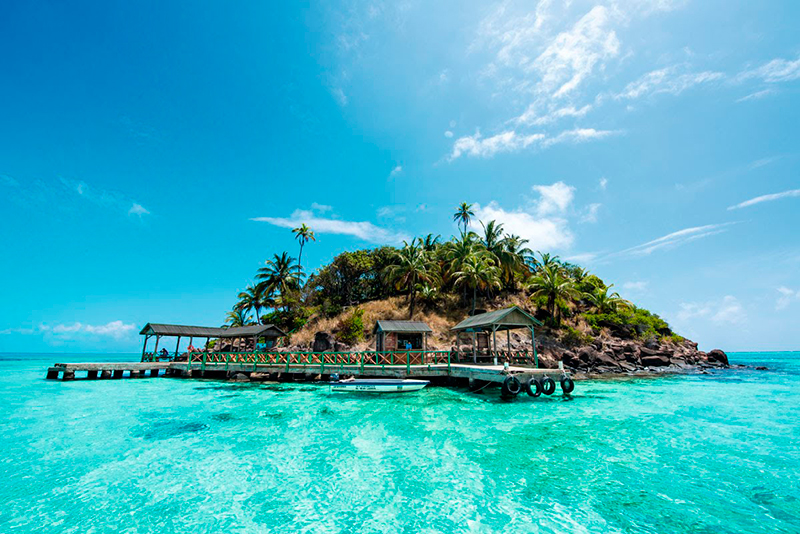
point(113, 200)
point(676, 239)
point(728, 310)
point(396, 171)
point(8, 181)
point(590, 213)
point(578, 135)
point(668, 80)
point(775, 71)
point(511, 141)
point(635, 287)
point(787, 297)
point(603, 183)
point(758, 95)
point(766, 198)
point(364, 230)
point(113, 329)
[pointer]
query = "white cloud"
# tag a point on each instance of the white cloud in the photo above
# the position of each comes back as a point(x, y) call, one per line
point(758, 95)
point(113, 329)
point(138, 209)
point(590, 213)
point(583, 257)
point(668, 80)
point(541, 232)
point(448, 134)
point(534, 117)
point(554, 199)
point(108, 199)
point(633, 287)
point(339, 95)
point(573, 55)
point(508, 141)
point(543, 223)
point(726, 311)
point(321, 208)
point(396, 171)
point(787, 297)
point(603, 183)
point(766, 198)
point(361, 229)
point(675, 239)
point(775, 71)
point(578, 135)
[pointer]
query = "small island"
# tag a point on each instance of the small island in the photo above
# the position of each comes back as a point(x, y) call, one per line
point(586, 325)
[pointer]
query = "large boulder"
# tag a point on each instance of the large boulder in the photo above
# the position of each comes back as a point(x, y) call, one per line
point(655, 359)
point(718, 357)
point(323, 341)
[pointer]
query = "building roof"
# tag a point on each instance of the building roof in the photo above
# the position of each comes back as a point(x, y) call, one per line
point(506, 319)
point(402, 326)
point(174, 330)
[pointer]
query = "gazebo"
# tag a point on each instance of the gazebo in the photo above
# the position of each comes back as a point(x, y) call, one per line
point(507, 319)
point(253, 333)
point(396, 335)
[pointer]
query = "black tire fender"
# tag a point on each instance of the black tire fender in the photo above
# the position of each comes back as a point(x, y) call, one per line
point(511, 386)
point(548, 385)
point(567, 384)
point(533, 388)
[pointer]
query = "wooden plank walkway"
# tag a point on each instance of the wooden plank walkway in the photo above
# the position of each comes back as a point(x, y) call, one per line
point(472, 372)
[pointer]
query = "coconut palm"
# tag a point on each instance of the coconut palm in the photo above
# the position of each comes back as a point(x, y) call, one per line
point(477, 271)
point(463, 215)
point(546, 261)
point(430, 242)
point(303, 234)
point(280, 274)
point(551, 283)
point(605, 302)
point(236, 318)
point(252, 299)
point(411, 266)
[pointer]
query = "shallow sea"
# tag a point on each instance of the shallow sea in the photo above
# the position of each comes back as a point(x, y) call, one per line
point(700, 453)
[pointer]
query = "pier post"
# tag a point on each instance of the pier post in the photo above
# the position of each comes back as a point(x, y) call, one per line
point(117, 373)
point(52, 374)
point(68, 375)
point(91, 375)
point(154, 372)
point(137, 374)
point(105, 374)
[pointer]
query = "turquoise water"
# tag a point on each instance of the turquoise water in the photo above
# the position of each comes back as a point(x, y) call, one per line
point(713, 453)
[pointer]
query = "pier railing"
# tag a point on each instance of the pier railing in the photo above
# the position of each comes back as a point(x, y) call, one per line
point(405, 358)
point(332, 360)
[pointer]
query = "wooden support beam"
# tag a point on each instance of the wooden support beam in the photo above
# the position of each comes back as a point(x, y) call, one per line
point(52, 373)
point(91, 375)
point(117, 373)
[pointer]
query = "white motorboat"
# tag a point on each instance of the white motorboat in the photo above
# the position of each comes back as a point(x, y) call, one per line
point(378, 385)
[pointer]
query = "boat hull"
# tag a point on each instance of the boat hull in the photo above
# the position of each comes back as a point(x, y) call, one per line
point(378, 386)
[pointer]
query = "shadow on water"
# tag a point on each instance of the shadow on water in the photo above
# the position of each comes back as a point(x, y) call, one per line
point(223, 417)
point(167, 429)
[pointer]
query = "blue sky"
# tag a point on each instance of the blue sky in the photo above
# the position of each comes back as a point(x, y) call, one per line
point(152, 156)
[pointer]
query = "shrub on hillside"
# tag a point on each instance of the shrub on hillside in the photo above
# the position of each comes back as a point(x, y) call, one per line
point(353, 327)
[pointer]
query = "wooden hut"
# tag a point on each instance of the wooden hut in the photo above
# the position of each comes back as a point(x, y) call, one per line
point(483, 328)
point(401, 335)
point(234, 339)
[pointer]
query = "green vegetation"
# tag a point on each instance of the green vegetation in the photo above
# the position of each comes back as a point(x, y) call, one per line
point(353, 327)
point(486, 270)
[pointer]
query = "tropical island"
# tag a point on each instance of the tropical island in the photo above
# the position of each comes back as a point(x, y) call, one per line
point(586, 324)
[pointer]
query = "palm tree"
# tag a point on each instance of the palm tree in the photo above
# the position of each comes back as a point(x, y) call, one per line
point(252, 299)
point(550, 282)
point(430, 242)
point(477, 271)
point(463, 215)
point(280, 274)
point(238, 318)
point(411, 265)
point(303, 234)
point(605, 302)
point(492, 236)
point(546, 261)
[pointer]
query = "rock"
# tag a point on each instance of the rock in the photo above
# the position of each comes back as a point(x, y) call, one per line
point(718, 357)
point(240, 377)
point(340, 347)
point(652, 344)
point(323, 341)
point(655, 359)
point(761, 368)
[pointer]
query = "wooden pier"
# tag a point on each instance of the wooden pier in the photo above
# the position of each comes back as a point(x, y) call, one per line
point(290, 365)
